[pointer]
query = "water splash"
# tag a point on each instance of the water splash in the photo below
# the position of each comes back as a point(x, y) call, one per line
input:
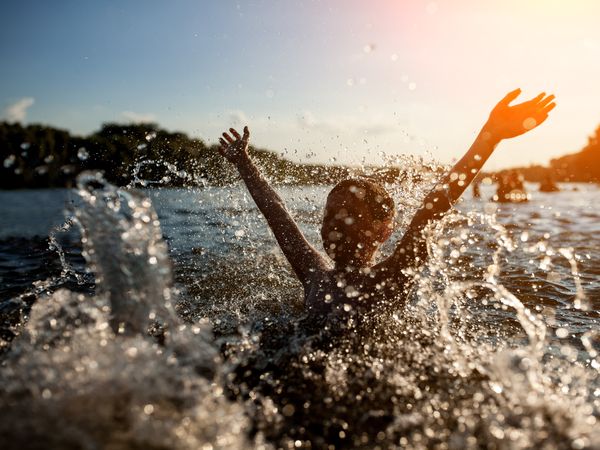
point(467, 364)
point(124, 248)
point(88, 371)
point(70, 382)
point(137, 179)
point(54, 244)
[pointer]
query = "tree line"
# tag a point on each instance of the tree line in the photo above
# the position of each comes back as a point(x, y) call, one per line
point(582, 166)
point(39, 156)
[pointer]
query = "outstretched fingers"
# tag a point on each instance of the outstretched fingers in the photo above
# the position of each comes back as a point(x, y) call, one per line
point(545, 102)
point(223, 147)
point(510, 97)
point(532, 103)
point(537, 98)
point(542, 113)
point(235, 133)
point(549, 107)
point(231, 144)
point(545, 106)
point(237, 136)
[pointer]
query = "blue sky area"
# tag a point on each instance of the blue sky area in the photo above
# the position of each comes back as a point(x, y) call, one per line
point(314, 80)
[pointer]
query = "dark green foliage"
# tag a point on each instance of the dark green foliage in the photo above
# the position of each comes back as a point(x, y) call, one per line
point(34, 156)
point(38, 156)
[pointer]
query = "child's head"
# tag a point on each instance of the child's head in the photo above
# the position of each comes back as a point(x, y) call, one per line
point(359, 216)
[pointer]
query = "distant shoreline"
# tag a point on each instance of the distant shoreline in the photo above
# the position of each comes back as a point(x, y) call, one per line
point(39, 156)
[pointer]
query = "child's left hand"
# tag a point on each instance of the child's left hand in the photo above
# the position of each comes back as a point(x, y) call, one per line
point(510, 121)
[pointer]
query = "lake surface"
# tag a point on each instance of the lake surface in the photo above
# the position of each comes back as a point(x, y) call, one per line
point(498, 347)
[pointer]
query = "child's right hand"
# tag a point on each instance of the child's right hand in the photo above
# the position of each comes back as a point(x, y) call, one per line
point(234, 149)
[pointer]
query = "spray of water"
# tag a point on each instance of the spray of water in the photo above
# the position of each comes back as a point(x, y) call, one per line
point(118, 369)
point(466, 364)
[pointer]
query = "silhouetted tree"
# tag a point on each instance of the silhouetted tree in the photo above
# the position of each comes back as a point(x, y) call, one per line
point(582, 166)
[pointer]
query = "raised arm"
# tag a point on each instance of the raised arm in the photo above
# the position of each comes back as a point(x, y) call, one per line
point(302, 256)
point(505, 122)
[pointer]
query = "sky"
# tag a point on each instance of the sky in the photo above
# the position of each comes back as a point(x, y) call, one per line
point(345, 81)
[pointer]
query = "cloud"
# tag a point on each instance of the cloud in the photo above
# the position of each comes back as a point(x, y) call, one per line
point(238, 117)
point(379, 128)
point(307, 120)
point(17, 111)
point(372, 126)
point(138, 117)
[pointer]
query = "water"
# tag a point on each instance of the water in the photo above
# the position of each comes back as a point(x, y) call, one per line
point(202, 343)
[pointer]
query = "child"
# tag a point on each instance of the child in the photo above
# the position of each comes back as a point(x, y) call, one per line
point(359, 217)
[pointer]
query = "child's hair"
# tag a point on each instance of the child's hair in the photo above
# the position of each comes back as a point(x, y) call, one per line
point(366, 192)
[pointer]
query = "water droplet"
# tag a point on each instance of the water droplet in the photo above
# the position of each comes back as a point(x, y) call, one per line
point(41, 170)
point(288, 410)
point(497, 388)
point(529, 123)
point(82, 154)
point(562, 333)
point(9, 161)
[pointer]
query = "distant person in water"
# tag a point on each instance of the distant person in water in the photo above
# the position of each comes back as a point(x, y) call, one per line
point(511, 188)
point(359, 217)
point(548, 184)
